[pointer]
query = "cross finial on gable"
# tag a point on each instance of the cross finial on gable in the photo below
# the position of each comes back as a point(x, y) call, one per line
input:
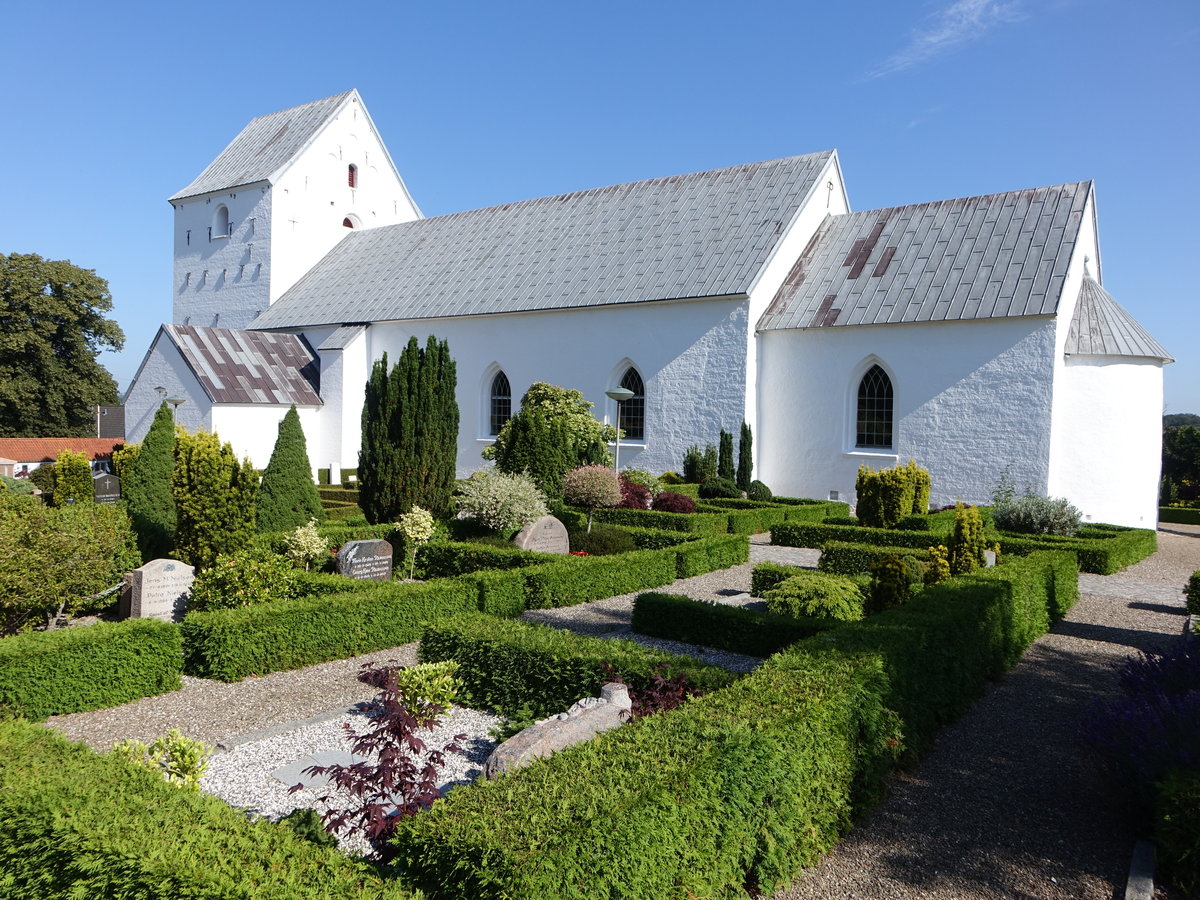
point(1086, 273)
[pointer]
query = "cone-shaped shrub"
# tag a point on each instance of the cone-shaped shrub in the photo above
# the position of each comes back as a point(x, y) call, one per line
point(146, 489)
point(287, 497)
point(725, 456)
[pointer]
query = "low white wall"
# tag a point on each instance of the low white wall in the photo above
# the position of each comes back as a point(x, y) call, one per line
point(970, 398)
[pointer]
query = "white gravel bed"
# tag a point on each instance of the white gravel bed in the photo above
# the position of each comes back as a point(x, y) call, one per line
point(242, 777)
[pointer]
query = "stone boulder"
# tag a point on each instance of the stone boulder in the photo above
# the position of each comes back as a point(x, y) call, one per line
point(582, 722)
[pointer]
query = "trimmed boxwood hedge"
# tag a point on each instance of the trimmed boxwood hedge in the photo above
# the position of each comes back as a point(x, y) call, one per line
point(523, 666)
point(754, 633)
point(709, 554)
point(743, 786)
point(74, 823)
point(815, 534)
point(445, 559)
point(231, 644)
point(839, 558)
point(1179, 514)
point(698, 523)
point(47, 673)
point(1101, 549)
point(575, 579)
point(753, 519)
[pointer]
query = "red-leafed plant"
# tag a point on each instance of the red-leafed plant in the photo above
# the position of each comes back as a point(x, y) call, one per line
point(634, 495)
point(669, 501)
point(404, 780)
point(659, 695)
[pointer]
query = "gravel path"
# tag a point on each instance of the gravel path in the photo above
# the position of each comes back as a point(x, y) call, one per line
point(1003, 806)
point(1006, 805)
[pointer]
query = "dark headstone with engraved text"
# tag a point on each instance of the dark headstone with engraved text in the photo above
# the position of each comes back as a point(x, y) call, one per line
point(107, 488)
point(158, 590)
point(366, 560)
point(546, 535)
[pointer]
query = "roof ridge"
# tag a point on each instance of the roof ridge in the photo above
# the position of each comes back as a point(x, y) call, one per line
point(931, 203)
point(291, 109)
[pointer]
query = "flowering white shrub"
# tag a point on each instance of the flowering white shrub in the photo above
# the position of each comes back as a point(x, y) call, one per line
point(417, 527)
point(305, 545)
point(499, 501)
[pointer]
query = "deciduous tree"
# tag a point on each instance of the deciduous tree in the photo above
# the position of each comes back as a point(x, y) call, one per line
point(52, 325)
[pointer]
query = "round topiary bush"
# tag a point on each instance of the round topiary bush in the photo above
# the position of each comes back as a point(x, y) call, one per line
point(602, 540)
point(719, 487)
point(669, 501)
point(816, 594)
point(759, 491)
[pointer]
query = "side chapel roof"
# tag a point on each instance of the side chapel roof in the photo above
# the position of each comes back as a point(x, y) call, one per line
point(993, 256)
point(705, 234)
point(235, 366)
point(266, 145)
point(1100, 326)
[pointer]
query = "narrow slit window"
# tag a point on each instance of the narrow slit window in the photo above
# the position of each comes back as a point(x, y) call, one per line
point(352, 175)
point(501, 403)
point(874, 410)
point(632, 416)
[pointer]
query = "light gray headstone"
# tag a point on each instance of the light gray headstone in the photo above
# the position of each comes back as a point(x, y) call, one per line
point(366, 560)
point(158, 590)
point(546, 535)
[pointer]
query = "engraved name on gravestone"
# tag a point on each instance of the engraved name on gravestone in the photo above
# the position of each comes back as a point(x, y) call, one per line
point(107, 488)
point(365, 560)
point(546, 535)
point(158, 590)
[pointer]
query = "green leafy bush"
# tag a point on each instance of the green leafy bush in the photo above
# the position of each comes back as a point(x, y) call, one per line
point(214, 498)
point(816, 595)
point(74, 823)
point(500, 501)
point(816, 534)
point(592, 487)
point(510, 666)
point(1177, 830)
point(891, 583)
point(1037, 515)
point(243, 578)
point(48, 673)
point(1180, 515)
point(768, 575)
point(602, 540)
point(967, 542)
point(645, 479)
point(179, 759)
point(305, 546)
point(72, 479)
point(734, 628)
point(719, 487)
point(759, 491)
point(1192, 592)
point(16, 485)
point(887, 496)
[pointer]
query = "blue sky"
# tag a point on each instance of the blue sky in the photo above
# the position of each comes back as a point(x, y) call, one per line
point(114, 107)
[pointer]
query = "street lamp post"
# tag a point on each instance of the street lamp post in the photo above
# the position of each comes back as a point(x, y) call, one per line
point(618, 394)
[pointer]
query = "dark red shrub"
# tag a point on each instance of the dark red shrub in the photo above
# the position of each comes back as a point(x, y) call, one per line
point(634, 495)
point(669, 501)
point(659, 695)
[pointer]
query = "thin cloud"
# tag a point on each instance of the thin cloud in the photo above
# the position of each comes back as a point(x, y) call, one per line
point(959, 23)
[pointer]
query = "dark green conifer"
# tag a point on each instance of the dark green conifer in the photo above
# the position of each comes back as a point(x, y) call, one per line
point(287, 497)
point(146, 489)
point(745, 466)
point(725, 456)
point(214, 499)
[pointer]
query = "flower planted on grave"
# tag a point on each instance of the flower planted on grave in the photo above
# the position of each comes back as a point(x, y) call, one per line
point(417, 527)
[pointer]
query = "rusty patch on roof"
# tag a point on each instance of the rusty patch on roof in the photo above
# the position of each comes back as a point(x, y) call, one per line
point(861, 251)
point(826, 313)
point(884, 261)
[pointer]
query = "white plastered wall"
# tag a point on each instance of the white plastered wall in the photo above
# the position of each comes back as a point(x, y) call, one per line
point(970, 398)
point(251, 429)
point(691, 356)
point(164, 367)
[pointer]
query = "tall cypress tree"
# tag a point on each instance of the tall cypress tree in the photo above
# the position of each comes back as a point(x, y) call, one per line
point(287, 497)
point(745, 467)
point(147, 488)
point(725, 456)
point(410, 433)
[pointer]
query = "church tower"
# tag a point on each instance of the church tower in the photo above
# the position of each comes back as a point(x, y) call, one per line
point(288, 188)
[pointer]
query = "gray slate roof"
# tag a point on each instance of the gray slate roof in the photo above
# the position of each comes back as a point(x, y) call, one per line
point(975, 258)
point(265, 146)
point(1102, 327)
point(343, 336)
point(701, 235)
point(236, 366)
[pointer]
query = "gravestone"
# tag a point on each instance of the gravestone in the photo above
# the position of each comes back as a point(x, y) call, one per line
point(107, 488)
point(365, 560)
point(546, 535)
point(158, 590)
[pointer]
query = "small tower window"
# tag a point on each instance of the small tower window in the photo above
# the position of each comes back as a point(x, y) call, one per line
point(352, 175)
point(501, 406)
point(874, 410)
point(632, 416)
point(220, 224)
point(348, 222)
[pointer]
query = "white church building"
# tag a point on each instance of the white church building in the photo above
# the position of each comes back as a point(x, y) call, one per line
point(971, 335)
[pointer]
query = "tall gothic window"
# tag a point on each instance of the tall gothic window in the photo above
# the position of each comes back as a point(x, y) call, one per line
point(501, 405)
point(352, 175)
point(874, 409)
point(632, 416)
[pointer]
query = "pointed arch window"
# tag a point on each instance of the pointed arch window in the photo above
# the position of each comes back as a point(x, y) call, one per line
point(632, 416)
point(501, 403)
point(874, 427)
point(352, 175)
